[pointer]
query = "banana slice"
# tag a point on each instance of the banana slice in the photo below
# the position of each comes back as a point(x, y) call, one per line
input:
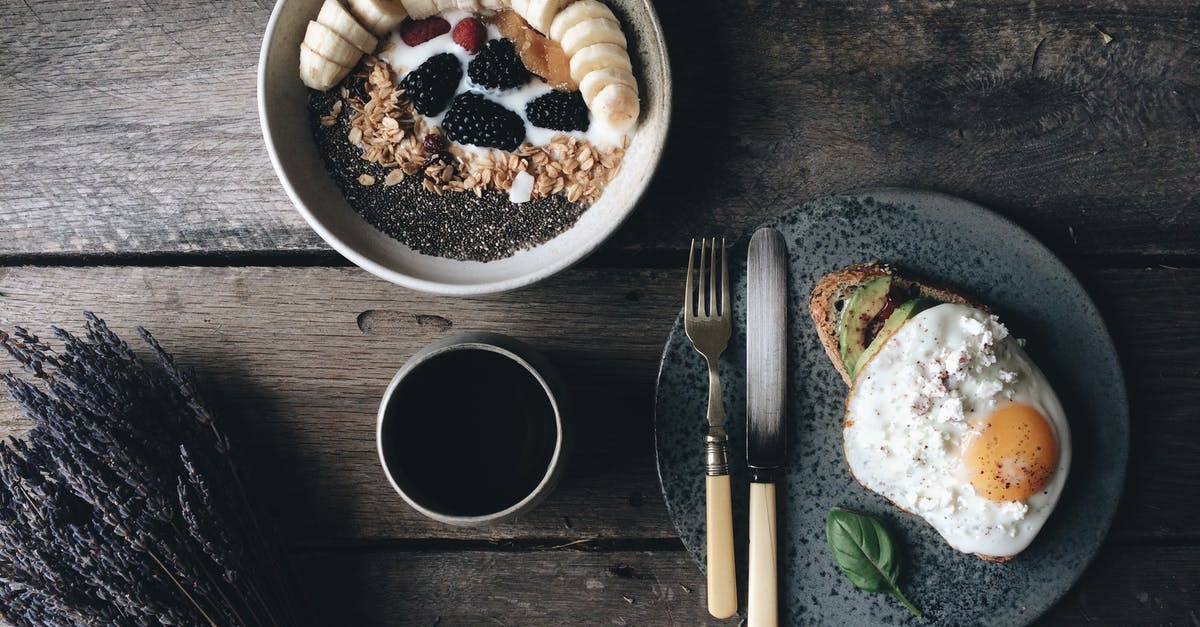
point(378, 16)
point(575, 13)
point(540, 13)
point(519, 6)
point(421, 9)
point(339, 20)
point(330, 45)
point(470, 6)
point(597, 80)
point(445, 5)
point(318, 72)
point(493, 5)
point(617, 105)
point(597, 30)
point(598, 57)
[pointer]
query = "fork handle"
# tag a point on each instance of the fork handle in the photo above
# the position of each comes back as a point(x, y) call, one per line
point(722, 583)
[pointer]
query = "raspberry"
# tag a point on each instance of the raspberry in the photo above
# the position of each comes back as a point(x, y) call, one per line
point(470, 34)
point(473, 119)
point(559, 110)
point(498, 66)
point(432, 84)
point(417, 32)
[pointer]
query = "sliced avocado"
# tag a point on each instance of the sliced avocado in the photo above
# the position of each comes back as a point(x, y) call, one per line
point(866, 302)
point(902, 314)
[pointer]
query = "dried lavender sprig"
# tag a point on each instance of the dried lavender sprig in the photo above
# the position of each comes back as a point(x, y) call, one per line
point(109, 508)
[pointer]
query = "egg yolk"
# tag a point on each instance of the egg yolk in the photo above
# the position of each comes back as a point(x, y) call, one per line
point(1012, 454)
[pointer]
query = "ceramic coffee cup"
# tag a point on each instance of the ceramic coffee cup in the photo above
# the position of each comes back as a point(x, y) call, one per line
point(473, 430)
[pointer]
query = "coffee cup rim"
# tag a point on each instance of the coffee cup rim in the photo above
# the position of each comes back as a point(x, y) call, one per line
point(519, 353)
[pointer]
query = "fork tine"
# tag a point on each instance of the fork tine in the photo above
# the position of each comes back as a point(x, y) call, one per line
point(724, 279)
point(701, 294)
point(712, 279)
point(689, 298)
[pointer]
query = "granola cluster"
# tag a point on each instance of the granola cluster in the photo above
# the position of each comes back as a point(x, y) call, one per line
point(392, 134)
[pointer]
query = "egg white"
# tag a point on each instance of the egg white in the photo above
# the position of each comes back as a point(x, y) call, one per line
point(912, 406)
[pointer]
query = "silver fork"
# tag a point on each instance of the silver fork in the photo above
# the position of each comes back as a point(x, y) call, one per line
point(707, 321)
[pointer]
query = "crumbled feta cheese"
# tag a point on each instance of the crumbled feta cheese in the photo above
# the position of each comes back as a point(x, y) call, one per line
point(950, 411)
point(972, 326)
point(1014, 510)
point(998, 328)
point(990, 388)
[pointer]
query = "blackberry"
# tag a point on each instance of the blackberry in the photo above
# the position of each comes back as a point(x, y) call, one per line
point(473, 119)
point(559, 110)
point(497, 66)
point(432, 84)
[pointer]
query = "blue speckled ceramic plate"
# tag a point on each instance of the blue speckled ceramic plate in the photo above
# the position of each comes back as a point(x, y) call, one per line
point(941, 238)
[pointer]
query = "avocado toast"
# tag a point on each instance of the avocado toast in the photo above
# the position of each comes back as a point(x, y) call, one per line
point(871, 314)
point(857, 309)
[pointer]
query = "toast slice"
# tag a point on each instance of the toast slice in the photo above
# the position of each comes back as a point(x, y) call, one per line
point(834, 290)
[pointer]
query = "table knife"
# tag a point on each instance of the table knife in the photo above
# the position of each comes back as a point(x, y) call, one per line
point(766, 384)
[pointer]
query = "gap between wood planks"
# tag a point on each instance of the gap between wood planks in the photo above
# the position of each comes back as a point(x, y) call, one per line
point(601, 545)
point(615, 259)
point(514, 545)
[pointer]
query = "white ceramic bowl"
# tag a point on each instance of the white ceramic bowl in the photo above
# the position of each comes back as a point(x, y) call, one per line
point(283, 111)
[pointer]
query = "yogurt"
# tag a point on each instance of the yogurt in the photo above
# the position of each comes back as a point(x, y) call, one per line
point(403, 58)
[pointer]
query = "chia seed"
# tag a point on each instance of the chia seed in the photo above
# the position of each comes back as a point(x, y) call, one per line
point(454, 225)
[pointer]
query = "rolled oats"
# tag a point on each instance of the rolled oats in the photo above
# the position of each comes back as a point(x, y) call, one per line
point(390, 133)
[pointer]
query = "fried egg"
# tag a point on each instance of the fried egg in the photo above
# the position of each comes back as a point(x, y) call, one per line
point(953, 422)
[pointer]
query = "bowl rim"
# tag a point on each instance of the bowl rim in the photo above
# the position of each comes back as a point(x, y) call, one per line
point(540, 273)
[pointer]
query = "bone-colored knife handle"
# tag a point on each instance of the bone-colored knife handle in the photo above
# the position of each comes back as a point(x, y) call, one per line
point(722, 578)
point(763, 606)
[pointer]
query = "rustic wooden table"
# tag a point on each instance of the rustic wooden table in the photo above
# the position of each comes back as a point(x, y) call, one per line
point(135, 184)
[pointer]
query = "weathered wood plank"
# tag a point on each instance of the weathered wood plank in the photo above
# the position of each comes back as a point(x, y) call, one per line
point(130, 126)
point(1125, 586)
point(297, 358)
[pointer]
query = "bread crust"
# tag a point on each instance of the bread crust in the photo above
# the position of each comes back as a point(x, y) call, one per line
point(834, 289)
point(831, 291)
point(824, 306)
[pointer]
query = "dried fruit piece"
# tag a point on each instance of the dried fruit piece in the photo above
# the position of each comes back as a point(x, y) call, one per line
point(540, 55)
point(417, 32)
point(433, 143)
point(470, 33)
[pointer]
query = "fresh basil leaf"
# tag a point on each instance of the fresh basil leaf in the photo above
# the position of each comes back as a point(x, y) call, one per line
point(865, 553)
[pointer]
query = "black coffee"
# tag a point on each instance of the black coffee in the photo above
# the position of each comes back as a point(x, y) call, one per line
point(469, 432)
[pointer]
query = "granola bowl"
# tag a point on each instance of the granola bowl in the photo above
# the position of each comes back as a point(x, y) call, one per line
point(327, 201)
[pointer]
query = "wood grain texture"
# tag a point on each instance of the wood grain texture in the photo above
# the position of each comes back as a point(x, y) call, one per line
point(297, 358)
point(130, 126)
point(1125, 586)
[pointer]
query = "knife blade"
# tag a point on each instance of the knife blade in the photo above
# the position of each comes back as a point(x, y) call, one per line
point(766, 385)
